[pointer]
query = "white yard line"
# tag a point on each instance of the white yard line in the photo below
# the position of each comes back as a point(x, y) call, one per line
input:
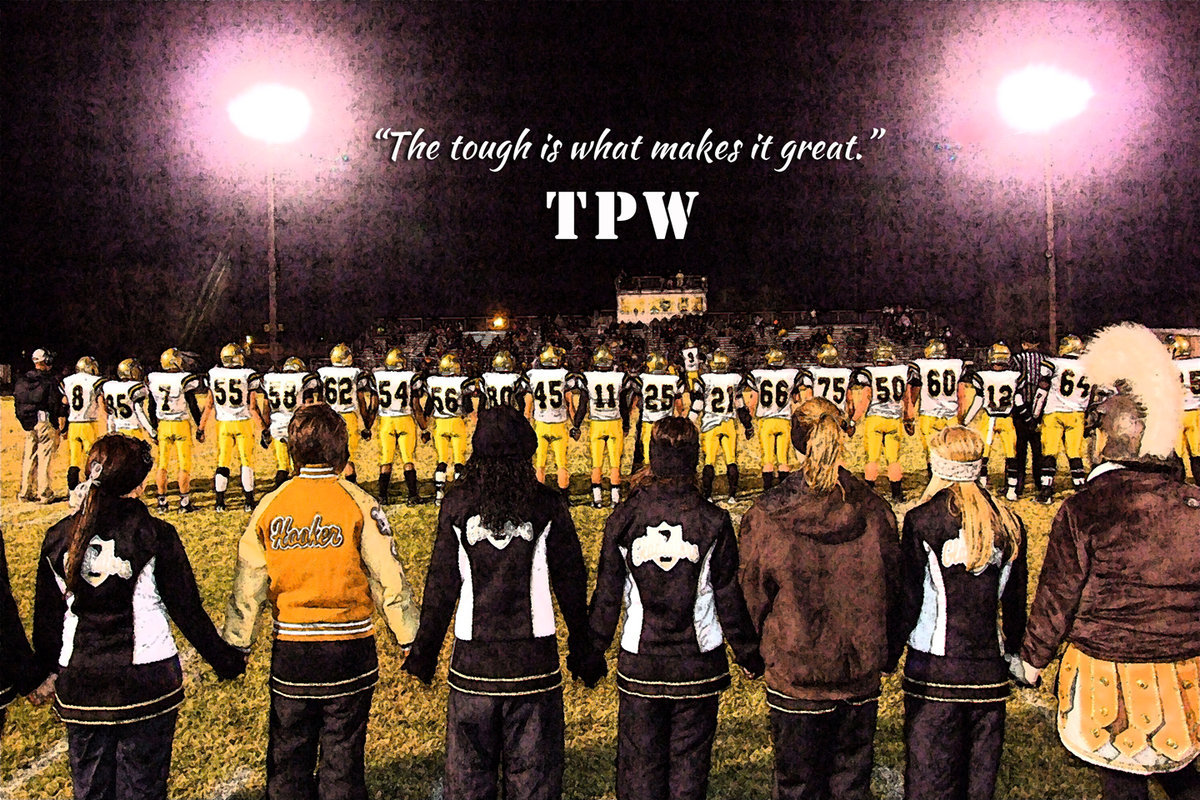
point(231, 785)
point(39, 765)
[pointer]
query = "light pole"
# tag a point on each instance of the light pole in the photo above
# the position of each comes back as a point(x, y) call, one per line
point(1034, 100)
point(275, 114)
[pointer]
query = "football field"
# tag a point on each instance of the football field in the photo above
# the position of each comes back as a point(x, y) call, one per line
point(221, 736)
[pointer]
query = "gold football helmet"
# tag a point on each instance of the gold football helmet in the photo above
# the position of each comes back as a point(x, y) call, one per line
point(935, 348)
point(774, 357)
point(551, 356)
point(88, 365)
point(504, 362)
point(340, 355)
point(884, 354)
point(688, 344)
point(719, 361)
point(293, 364)
point(130, 370)
point(656, 364)
point(827, 355)
point(1180, 346)
point(171, 360)
point(395, 359)
point(999, 354)
point(448, 365)
point(1069, 345)
point(603, 358)
point(232, 356)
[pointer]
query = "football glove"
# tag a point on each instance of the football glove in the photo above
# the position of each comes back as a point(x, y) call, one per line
point(749, 431)
point(910, 427)
point(199, 434)
point(574, 432)
point(365, 434)
point(265, 439)
point(426, 437)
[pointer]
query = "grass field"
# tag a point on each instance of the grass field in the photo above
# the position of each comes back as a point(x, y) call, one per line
point(221, 737)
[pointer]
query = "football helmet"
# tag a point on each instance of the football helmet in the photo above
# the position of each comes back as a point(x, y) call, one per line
point(88, 365)
point(999, 354)
point(884, 354)
point(827, 355)
point(551, 356)
point(232, 356)
point(1070, 345)
point(935, 348)
point(1179, 346)
point(395, 359)
point(603, 358)
point(171, 360)
point(293, 364)
point(504, 362)
point(340, 355)
point(718, 361)
point(688, 343)
point(774, 357)
point(656, 364)
point(448, 365)
point(130, 370)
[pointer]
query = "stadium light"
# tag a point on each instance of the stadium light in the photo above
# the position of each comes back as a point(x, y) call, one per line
point(499, 322)
point(274, 114)
point(1035, 100)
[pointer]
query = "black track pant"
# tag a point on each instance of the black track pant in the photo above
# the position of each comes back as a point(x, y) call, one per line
point(1181, 785)
point(128, 761)
point(300, 729)
point(953, 749)
point(824, 756)
point(664, 747)
point(521, 738)
point(1029, 440)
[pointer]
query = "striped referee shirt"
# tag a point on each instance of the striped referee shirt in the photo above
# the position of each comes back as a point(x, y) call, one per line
point(1032, 367)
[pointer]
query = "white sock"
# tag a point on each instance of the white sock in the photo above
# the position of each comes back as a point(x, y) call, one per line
point(247, 479)
point(616, 494)
point(220, 482)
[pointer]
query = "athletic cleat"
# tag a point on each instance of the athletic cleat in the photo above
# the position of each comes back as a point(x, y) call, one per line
point(220, 507)
point(162, 504)
point(1045, 498)
point(597, 504)
point(1011, 495)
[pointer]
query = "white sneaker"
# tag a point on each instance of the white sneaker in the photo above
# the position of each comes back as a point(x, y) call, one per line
point(1011, 495)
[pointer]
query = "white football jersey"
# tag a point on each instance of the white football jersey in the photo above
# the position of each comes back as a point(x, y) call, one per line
point(997, 387)
point(549, 387)
point(168, 390)
point(1069, 389)
point(938, 379)
point(231, 388)
point(341, 386)
point(720, 393)
point(397, 388)
point(832, 383)
point(446, 395)
point(504, 388)
point(120, 400)
point(691, 359)
point(887, 383)
point(604, 394)
point(774, 386)
point(1189, 373)
point(285, 391)
point(83, 396)
point(658, 393)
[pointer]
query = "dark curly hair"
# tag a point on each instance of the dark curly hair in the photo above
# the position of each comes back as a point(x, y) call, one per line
point(507, 487)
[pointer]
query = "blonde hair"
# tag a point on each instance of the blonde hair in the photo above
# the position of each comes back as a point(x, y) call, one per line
point(985, 525)
point(819, 432)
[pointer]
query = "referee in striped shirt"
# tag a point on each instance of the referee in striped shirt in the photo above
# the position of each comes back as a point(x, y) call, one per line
point(1032, 384)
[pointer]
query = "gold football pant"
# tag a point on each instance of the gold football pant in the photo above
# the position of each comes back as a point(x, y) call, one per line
point(775, 437)
point(1189, 439)
point(176, 434)
point(929, 426)
point(552, 437)
point(283, 459)
point(80, 436)
point(1062, 430)
point(353, 427)
point(606, 437)
point(450, 440)
point(721, 439)
point(397, 435)
point(882, 438)
point(997, 432)
point(237, 433)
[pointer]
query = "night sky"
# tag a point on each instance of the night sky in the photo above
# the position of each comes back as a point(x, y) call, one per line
point(124, 180)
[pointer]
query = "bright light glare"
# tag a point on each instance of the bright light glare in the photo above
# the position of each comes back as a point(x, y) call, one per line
point(271, 113)
point(498, 322)
point(1040, 96)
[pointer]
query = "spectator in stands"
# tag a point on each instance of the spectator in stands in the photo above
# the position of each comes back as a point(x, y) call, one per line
point(40, 408)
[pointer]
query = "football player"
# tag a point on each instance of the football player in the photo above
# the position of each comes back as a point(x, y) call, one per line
point(85, 413)
point(348, 392)
point(173, 392)
point(604, 397)
point(659, 393)
point(549, 404)
point(716, 400)
point(990, 410)
point(828, 379)
point(233, 391)
point(690, 357)
point(932, 394)
point(448, 400)
point(877, 399)
point(1189, 373)
point(773, 388)
point(127, 401)
point(284, 392)
point(503, 385)
point(398, 389)
point(1062, 425)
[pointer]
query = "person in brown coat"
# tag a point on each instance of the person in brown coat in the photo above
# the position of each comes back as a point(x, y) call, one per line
point(1119, 586)
point(820, 568)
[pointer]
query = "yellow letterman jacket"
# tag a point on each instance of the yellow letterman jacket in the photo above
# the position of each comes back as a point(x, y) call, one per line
point(320, 550)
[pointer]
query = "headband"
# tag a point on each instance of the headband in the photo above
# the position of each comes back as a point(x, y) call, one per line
point(79, 493)
point(954, 471)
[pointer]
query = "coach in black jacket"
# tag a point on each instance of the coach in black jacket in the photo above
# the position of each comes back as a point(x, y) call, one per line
point(504, 541)
point(673, 556)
